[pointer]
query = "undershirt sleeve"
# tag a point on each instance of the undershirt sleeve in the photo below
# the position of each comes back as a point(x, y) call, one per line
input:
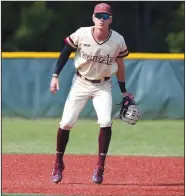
point(63, 58)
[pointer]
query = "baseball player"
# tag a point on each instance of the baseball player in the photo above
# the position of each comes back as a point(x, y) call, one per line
point(99, 54)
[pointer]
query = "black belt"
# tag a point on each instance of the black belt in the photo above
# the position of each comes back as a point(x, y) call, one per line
point(93, 81)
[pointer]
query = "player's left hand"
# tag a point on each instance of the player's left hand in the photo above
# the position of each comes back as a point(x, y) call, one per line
point(129, 111)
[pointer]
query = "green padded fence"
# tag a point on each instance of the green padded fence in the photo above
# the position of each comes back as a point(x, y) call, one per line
point(158, 86)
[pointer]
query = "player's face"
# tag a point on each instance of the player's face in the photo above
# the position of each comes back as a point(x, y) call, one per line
point(102, 20)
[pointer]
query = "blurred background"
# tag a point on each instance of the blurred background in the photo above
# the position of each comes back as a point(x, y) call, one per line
point(32, 37)
point(41, 26)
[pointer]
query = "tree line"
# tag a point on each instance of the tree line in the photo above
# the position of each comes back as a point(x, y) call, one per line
point(43, 25)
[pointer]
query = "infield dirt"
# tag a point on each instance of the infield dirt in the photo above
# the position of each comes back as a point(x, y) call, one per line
point(124, 175)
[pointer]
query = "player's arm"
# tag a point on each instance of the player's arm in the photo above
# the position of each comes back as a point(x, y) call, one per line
point(63, 58)
point(121, 74)
point(121, 66)
point(71, 46)
point(129, 112)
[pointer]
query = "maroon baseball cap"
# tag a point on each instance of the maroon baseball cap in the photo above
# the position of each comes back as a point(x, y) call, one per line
point(102, 8)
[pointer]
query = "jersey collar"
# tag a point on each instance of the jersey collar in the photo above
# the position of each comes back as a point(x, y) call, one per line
point(100, 43)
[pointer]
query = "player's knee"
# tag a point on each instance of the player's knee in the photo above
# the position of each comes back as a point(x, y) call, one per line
point(105, 123)
point(66, 125)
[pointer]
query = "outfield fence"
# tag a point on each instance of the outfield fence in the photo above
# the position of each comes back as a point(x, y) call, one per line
point(156, 80)
point(48, 55)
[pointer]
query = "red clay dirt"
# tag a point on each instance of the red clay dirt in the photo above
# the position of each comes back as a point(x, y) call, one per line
point(131, 176)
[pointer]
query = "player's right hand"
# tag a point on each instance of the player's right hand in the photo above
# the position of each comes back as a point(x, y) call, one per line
point(54, 85)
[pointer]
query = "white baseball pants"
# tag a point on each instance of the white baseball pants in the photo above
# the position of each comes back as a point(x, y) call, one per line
point(81, 90)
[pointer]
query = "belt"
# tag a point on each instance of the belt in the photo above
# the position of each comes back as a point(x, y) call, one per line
point(93, 81)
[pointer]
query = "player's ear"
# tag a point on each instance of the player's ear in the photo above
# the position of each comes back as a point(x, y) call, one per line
point(93, 17)
point(110, 19)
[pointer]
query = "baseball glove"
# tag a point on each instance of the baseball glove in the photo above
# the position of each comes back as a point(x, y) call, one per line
point(129, 111)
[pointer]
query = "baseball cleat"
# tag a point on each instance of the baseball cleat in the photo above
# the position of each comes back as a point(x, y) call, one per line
point(98, 174)
point(57, 172)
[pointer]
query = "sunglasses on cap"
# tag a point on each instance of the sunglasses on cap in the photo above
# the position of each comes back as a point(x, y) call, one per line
point(102, 15)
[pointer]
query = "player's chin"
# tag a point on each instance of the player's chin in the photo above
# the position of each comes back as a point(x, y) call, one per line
point(101, 27)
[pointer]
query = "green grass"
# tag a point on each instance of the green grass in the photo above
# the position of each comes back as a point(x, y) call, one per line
point(147, 138)
point(14, 194)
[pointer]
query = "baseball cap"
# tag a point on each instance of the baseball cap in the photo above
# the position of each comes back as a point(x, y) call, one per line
point(103, 8)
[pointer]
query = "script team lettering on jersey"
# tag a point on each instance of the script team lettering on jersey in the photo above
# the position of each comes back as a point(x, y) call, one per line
point(93, 59)
point(99, 59)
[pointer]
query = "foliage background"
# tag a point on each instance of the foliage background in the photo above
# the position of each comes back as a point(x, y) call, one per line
point(42, 25)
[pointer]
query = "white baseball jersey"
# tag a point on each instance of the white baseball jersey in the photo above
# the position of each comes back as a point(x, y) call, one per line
point(95, 60)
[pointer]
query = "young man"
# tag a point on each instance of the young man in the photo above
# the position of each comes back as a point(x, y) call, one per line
point(99, 54)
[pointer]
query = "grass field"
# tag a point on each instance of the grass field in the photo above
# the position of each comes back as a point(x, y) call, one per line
point(13, 194)
point(147, 138)
point(9, 194)
point(151, 175)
